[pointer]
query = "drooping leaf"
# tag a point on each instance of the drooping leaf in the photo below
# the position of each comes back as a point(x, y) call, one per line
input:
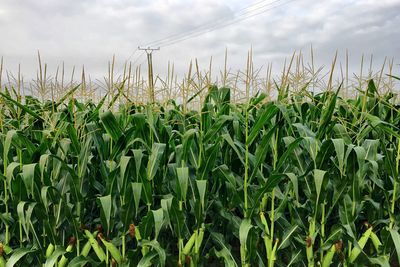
point(154, 160)
point(106, 206)
point(318, 179)
point(183, 182)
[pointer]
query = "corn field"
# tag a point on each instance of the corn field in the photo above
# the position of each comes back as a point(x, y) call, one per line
point(306, 179)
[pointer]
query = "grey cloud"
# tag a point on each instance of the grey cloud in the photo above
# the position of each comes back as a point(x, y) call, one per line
point(89, 32)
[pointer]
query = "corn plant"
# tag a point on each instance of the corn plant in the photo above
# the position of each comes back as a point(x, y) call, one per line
point(308, 179)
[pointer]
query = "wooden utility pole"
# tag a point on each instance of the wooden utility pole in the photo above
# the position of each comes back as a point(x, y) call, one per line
point(149, 52)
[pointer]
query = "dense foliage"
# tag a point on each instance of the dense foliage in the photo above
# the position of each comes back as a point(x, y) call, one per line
point(304, 180)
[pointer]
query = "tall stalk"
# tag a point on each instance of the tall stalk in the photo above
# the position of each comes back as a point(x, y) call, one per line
point(271, 242)
point(246, 129)
point(243, 249)
point(7, 234)
point(395, 184)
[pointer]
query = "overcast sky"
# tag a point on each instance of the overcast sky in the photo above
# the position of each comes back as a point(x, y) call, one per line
point(89, 32)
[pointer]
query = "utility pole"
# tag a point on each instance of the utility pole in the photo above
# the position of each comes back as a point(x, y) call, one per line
point(149, 52)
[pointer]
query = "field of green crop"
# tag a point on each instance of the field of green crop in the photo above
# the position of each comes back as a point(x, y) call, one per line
point(306, 179)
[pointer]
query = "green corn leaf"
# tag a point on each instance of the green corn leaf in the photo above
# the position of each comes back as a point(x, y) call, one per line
point(21, 106)
point(147, 191)
point(234, 146)
point(51, 261)
point(73, 137)
point(360, 245)
point(227, 256)
point(158, 216)
point(187, 141)
point(160, 251)
point(266, 116)
point(227, 174)
point(83, 159)
point(334, 235)
point(67, 95)
point(295, 183)
point(376, 122)
point(295, 258)
point(286, 237)
point(166, 207)
point(111, 125)
point(80, 261)
point(154, 160)
point(123, 179)
point(21, 216)
point(327, 114)
point(210, 158)
point(342, 133)
point(44, 193)
point(395, 77)
point(7, 145)
point(95, 112)
point(176, 217)
point(226, 251)
point(137, 192)
point(146, 261)
point(396, 240)
point(20, 141)
point(183, 179)
point(287, 153)
point(270, 184)
point(339, 148)
point(244, 229)
point(95, 245)
point(138, 156)
point(11, 168)
point(106, 206)
point(113, 250)
point(328, 257)
point(17, 255)
point(201, 187)
point(382, 261)
point(43, 162)
point(318, 180)
point(216, 127)
point(262, 150)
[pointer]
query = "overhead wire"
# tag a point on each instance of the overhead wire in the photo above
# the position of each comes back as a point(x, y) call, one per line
point(241, 15)
point(131, 55)
point(137, 59)
point(216, 27)
point(128, 60)
point(240, 12)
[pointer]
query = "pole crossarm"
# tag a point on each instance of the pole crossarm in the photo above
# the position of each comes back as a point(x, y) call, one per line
point(149, 52)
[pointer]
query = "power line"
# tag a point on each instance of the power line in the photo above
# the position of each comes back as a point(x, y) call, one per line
point(131, 55)
point(216, 27)
point(137, 59)
point(242, 12)
point(205, 28)
point(127, 60)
